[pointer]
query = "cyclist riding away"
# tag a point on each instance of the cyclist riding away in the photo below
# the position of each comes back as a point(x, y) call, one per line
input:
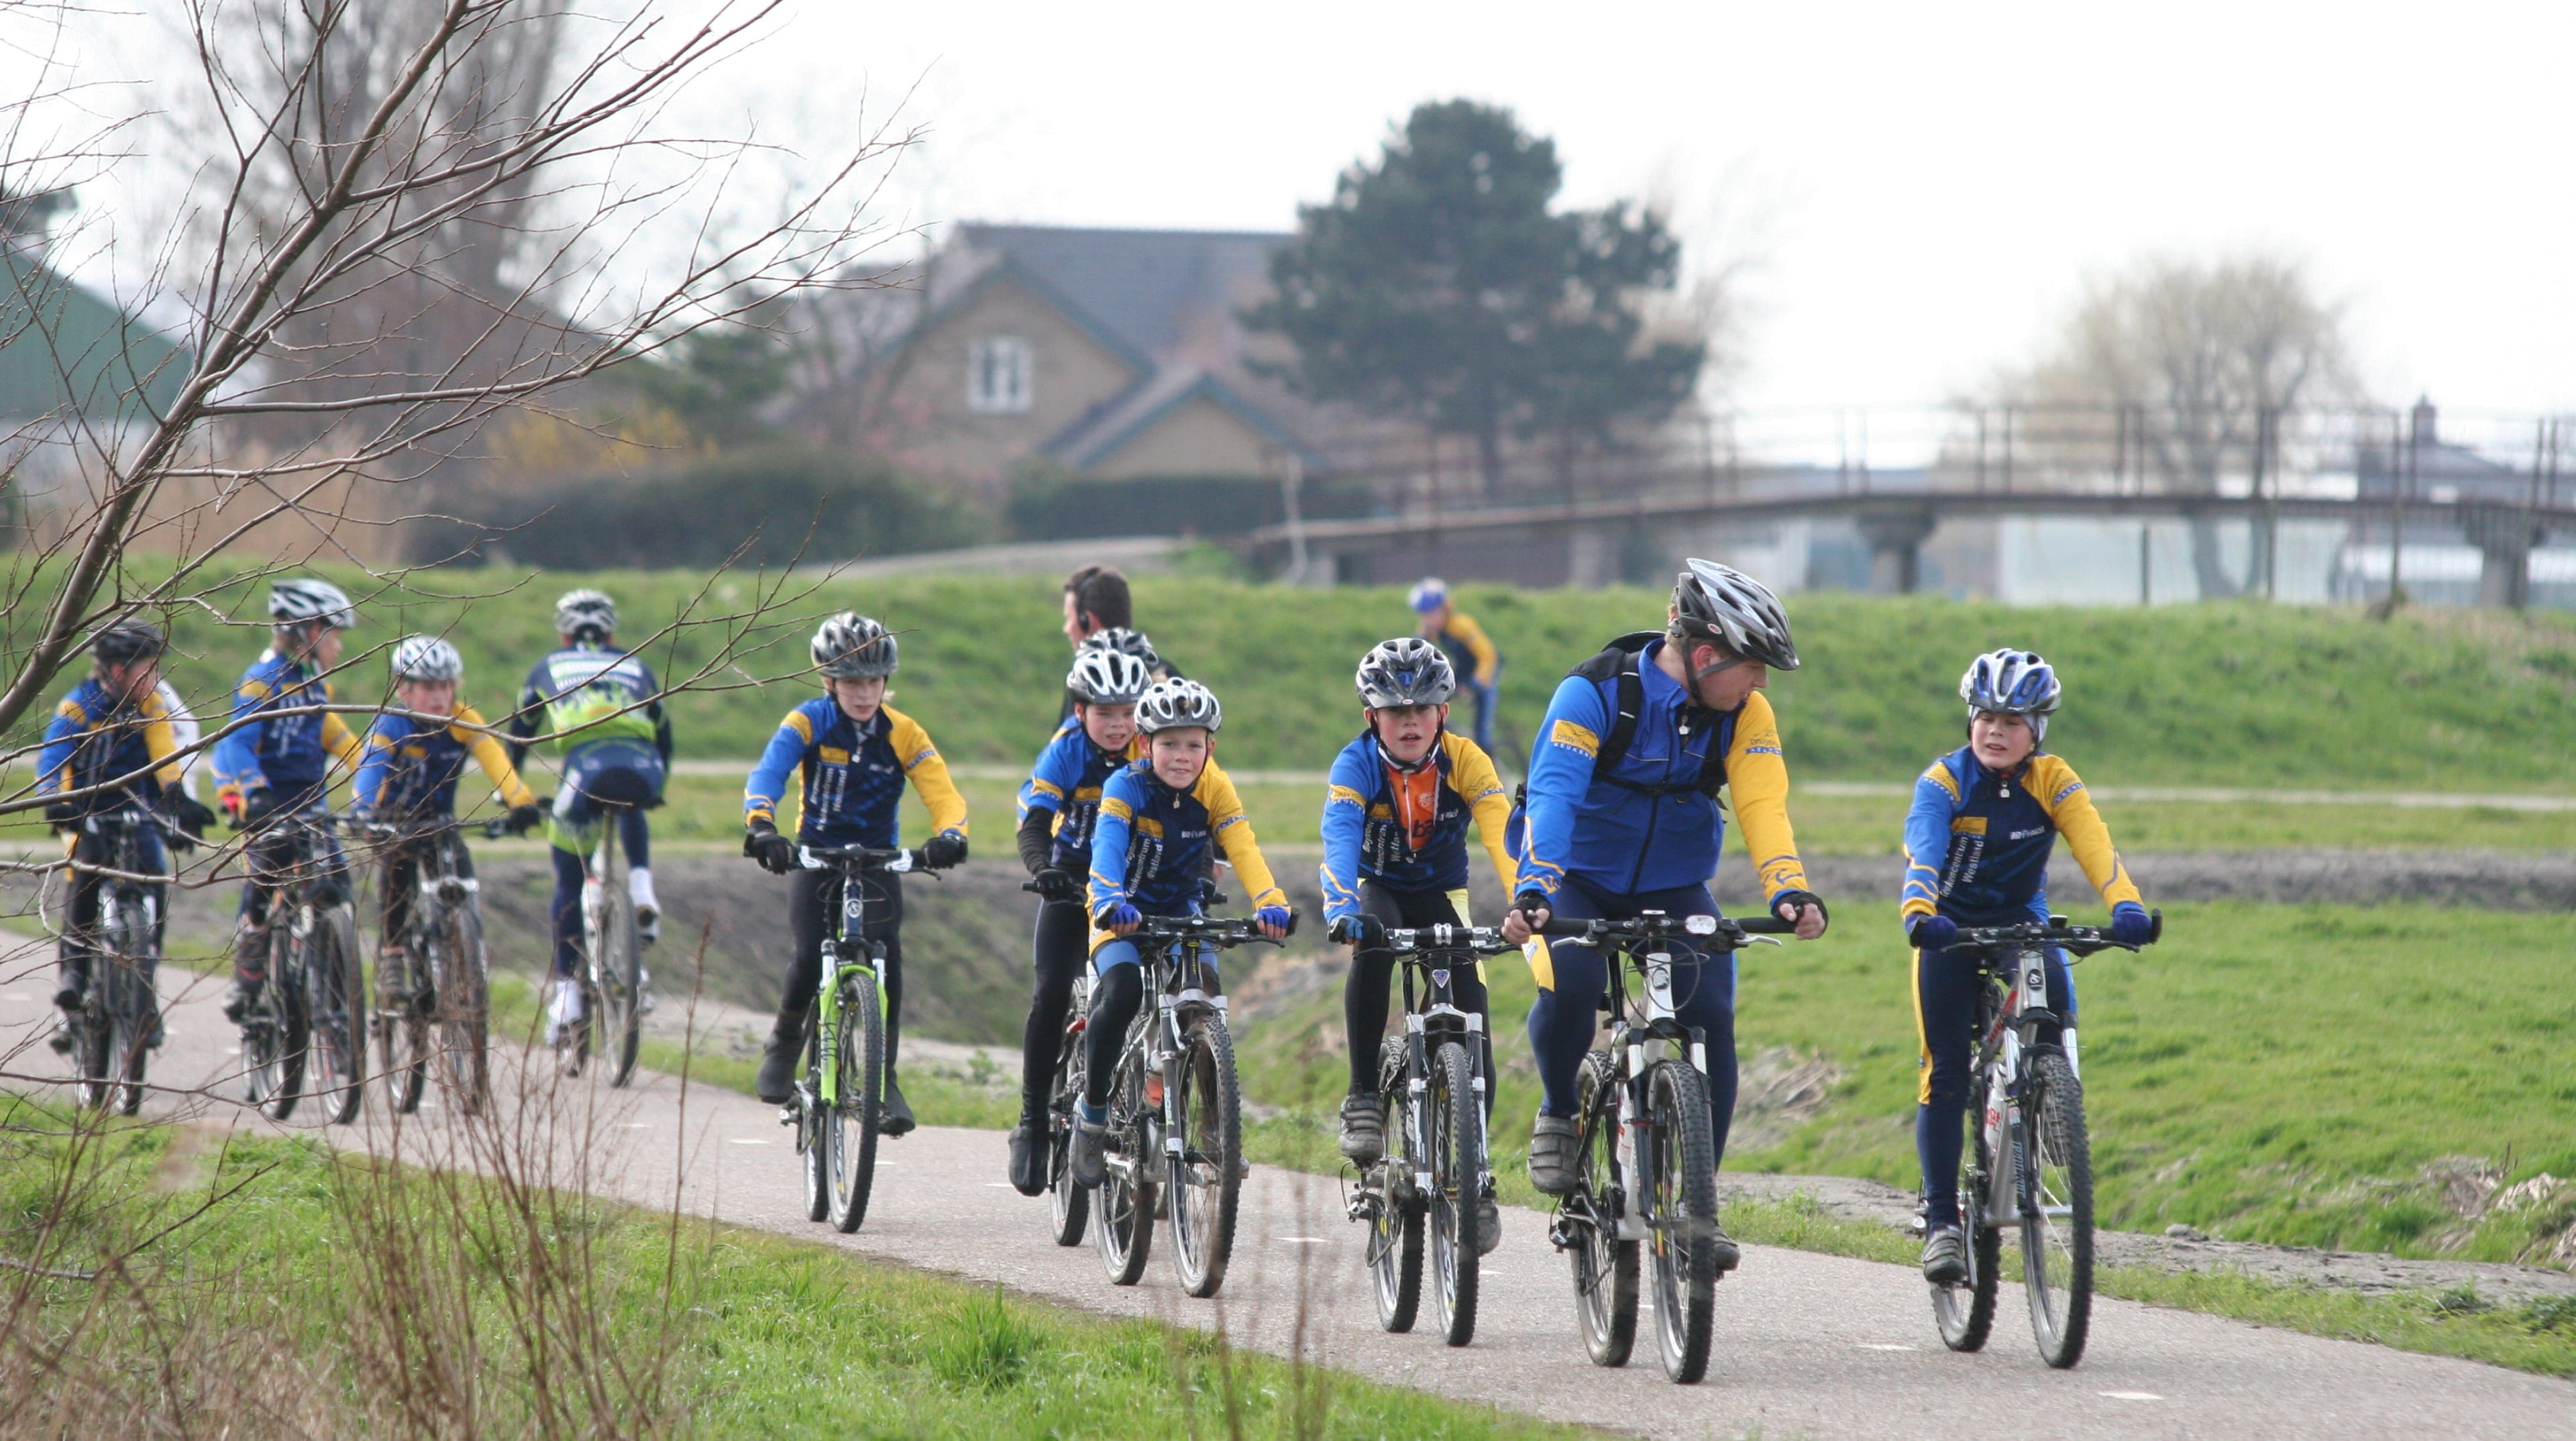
point(1057, 806)
point(856, 753)
point(1622, 817)
point(1471, 653)
point(598, 709)
point(1977, 839)
point(275, 764)
point(110, 746)
point(1159, 817)
point(414, 757)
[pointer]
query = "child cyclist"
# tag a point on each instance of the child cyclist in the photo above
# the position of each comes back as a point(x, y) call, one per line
point(1149, 844)
point(1057, 806)
point(1977, 840)
point(414, 756)
point(856, 753)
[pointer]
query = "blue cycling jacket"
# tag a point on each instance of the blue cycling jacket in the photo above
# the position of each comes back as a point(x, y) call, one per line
point(1406, 828)
point(854, 774)
point(1067, 780)
point(288, 754)
point(94, 738)
point(1977, 841)
point(413, 762)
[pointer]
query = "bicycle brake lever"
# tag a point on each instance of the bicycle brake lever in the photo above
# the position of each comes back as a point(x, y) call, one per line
point(1764, 940)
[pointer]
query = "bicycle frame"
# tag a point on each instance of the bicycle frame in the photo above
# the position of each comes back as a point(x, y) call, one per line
point(1154, 1037)
point(1428, 954)
point(1635, 1028)
point(849, 950)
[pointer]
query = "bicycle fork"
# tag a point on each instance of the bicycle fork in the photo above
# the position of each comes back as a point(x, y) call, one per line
point(2000, 1116)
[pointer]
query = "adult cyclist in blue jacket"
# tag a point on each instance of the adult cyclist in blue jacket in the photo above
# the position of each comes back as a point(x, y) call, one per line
point(276, 762)
point(1622, 817)
point(1977, 839)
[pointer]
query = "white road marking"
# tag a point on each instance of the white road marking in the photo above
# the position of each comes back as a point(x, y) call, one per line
point(2130, 1395)
point(1892, 1346)
point(1315, 1241)
point(746, 1141)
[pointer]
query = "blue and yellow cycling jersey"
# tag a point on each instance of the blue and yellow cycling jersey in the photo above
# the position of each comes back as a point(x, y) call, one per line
point(1647, 826)
point(587, 696)
point(1150, 843)
point(288, 754)
point(853, 775)
point(1471, 653)
point(1977, 841)
point(1407, 826)
point(94, 739)
point(413, 761)
point(1067, 780)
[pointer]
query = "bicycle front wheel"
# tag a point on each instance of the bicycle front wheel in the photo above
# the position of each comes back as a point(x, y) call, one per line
point(338, 992)
point(94, 1044)
point(1123, 1229)
point(1681, 1177)
point(1068, 1205)
point(1395, 1227)
point(1457, 1148)
point(1206, 1174)
point(135, 1013)
point(2057, 1210)
point(619, 969)
point(403, 1024)
point(461, 987)
point(1605, 1267)
point(850, 1123)
point(275, 1032)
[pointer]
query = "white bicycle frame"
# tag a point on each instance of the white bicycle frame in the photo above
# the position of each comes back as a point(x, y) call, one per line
point(1630, 1040)
point(2000, 1117)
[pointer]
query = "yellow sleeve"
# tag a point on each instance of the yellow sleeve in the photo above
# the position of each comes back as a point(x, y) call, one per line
point(488, 752)
point(342, 741)
point(161, 740)
point(929, 774)
point(1472, 775)
point(1757, 776)
point(1233, 832)
point(1488, 660)
point(2070, 808)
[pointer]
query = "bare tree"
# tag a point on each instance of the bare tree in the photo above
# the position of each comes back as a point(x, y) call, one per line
point(2207, 349)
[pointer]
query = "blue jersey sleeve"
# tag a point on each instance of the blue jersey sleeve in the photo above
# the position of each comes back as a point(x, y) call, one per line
point(1927, 841)
point(778, 760)
point(1109, 833)
point(1345, 823)
point(1560, 777)
point(377, 759)
point(237, 754)
point(62, 737)
point(1059, 770)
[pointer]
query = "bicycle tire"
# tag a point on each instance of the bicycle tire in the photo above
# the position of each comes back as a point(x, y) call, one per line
point(134, 960)
point(1205, 1178)
point(1681, 1169)
point(1966, 1314)
point(462, 1001)
point(1123, 1229)
point(2057, 1218)
point(809, 1120)
point(273, 1042)
point(93, 1037)
point(403, 1027)
point(850, 1126)
point(337, 992)
point(1068, 1205)
point(620, 972)
point(1605, 1267)
point(1395, 1239)
point(1457, 1151)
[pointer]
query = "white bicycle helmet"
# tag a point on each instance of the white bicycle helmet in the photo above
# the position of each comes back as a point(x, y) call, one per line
point(586, 615)
point(2012, 682)
point(1735, 613)
point(1120, 639)
point(1429, 594)
point(427, 657)
point(850, 646)
point(294, 602)
point(1108, 677)
point(1173, 704)
point(1405, 671)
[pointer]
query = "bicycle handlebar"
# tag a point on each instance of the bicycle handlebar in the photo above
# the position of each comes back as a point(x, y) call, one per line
point(901, 861)
point(2080, 940)
point(1655, 926)
point(1483, 940)
point(1222, 932)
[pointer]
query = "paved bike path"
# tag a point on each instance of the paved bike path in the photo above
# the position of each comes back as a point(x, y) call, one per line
point(1806, 1345)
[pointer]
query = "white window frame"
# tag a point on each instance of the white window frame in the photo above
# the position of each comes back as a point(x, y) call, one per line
point(1000, 376)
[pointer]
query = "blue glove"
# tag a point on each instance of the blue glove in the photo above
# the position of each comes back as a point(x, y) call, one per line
point(2130, 924)
point(1110, 918)
point(1932, 933)
point(1279, 916)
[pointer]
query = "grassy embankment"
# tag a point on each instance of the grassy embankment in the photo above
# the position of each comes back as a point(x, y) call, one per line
point(271, 1288)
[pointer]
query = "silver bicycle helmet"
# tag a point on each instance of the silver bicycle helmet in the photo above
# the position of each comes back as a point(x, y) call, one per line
point(1108, 677)
point(294, 602)
point(2012, 682)
point(1405, 671)
point(850, 646)
point(1735, 613)
point(1120, 639)
point(586, 615)
point(427, 657)
point(1173, 704)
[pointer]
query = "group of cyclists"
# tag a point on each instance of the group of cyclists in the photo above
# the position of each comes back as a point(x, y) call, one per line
point(1643, 749)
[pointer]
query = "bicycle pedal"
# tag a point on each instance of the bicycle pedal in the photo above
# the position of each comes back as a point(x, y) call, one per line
point(790, 1114)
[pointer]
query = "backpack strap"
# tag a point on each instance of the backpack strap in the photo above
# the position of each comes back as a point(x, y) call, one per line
point(1620, 660)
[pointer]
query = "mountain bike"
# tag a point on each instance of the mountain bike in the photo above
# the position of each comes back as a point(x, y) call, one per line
point(1175, 1108)
point(1435, 1173)
point(433, 997)
point(119, 1012)
point(1647, 1172)
point(836, 1110)
point(613, 982)
point(306, 1022)
point(2030, 1163)
point(1068, 1204)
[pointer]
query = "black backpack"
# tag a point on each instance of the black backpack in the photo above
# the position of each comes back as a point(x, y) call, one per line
point(1620, 659)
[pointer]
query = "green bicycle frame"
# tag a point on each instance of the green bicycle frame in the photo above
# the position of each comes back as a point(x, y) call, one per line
point(849, 954)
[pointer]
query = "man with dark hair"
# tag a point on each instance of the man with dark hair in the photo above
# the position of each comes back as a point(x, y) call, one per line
point(1096, 599)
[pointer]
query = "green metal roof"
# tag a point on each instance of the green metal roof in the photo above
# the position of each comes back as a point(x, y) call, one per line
point(64, 351)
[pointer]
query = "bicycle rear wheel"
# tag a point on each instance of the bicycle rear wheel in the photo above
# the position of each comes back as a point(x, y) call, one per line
point(850, 1125)
point(1068, 1205)
point(461, 986)
point(1457, 1151)
point(1395, 1229)
point(1124, 1228)
point(619, 964)
point(1966, 1313)
point(2057, 1211)
point(1605, 1267)
point(274, 1035)
point(338, 992)
point(1206, 1177)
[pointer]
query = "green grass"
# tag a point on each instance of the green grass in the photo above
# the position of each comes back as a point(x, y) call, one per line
point(280, 1288)
point(2221, 694)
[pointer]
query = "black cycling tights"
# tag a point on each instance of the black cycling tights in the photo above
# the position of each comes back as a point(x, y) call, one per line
point(1114, 999)
point(1060, 954)
point(814, 916)
point(1366, 998)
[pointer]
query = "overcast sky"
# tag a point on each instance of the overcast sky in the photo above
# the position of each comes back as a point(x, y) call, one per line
point(1921, 187)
